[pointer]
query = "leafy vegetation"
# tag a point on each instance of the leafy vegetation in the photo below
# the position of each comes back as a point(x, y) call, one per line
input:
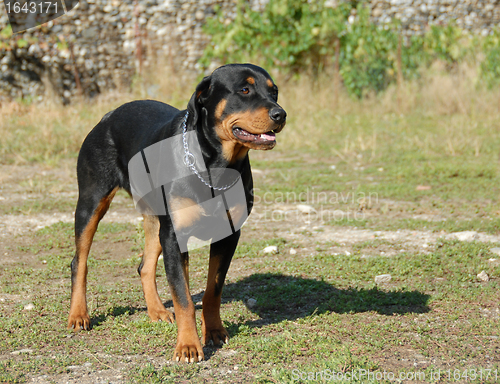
point(300, 36)
point(490, 67)
point(293, 34)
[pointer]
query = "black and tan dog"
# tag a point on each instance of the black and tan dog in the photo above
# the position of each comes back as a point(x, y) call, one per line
point(233, 110)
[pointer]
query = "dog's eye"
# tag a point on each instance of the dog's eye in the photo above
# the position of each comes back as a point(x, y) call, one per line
point(245, 91)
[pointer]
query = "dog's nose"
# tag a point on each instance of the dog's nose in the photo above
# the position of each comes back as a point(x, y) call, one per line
point(278, 115)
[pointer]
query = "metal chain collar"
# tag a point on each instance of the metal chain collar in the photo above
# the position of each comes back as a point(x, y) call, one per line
point(190, 160)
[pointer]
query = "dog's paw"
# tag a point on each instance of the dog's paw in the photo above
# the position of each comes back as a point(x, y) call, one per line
point(188, 352)
point(215, 336)
point(161, 315)
point(79, 321)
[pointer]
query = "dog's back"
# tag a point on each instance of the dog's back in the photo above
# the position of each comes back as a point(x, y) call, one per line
point(119, 135)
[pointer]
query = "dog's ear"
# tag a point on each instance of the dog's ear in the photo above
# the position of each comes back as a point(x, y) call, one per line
point(196, 103)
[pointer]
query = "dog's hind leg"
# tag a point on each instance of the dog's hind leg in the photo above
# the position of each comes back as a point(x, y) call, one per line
point(147, 270)
point(90, 209)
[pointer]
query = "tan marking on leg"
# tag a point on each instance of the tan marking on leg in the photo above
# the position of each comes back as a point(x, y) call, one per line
point(188, 348)
point(152, 250)
point(78, 313)
point(211, 323)
point(184, 212)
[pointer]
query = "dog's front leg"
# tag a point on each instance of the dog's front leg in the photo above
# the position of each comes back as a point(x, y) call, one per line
point(188, 348)
point(221, 254)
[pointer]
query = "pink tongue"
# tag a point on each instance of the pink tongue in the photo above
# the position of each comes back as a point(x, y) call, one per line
point(265, 136)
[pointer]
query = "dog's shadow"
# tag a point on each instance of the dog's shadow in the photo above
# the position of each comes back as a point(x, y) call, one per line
point(276, 297)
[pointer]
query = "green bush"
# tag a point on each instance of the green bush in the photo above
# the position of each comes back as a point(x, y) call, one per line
point(298, 36)
point(447, 43)
point(490, 67)
point(368, 55)
point(292, 34)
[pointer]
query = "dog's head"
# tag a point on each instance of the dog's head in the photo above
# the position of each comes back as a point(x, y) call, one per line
point(240, 103)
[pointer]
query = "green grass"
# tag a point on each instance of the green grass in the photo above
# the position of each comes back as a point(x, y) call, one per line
point(463, 192)
point(313, 313)
point(316, 311)
point(39, 206)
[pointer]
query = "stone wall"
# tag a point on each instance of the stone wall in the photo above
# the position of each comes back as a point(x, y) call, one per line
point(415, 15)
point(99, 39)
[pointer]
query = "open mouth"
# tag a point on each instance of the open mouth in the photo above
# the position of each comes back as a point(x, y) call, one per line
point(262, 138)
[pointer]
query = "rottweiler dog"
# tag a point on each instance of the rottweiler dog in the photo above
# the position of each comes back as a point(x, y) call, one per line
point(233, 110)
